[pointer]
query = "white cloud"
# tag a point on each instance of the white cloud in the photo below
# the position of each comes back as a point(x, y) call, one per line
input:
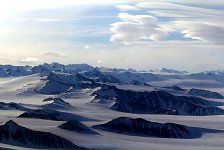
point(8, 58)
point(53, 54)
point(193, 21)
point(29, 60)
point(20, 20)
point(127, 8)
point(191, 2)
point(172, 6)
point(99, 61)
point(204, 32)
point(132, 28)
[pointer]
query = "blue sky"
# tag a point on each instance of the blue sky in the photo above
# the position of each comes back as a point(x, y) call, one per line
point(181, 34)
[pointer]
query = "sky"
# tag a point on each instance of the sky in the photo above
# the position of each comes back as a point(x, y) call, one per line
point(151, 34)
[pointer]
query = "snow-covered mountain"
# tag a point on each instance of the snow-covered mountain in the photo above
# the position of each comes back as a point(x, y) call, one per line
point(217, 76)
point(3, 72)
point(68, 100)
point(57, 67)
point(56, 103)
point(20, 71)
point(166, 70)
point(12, 133)
point(115, 75)
point(75, 68)
point(98, 76)
point(132, 77)
point(155, 102)
point(56, 83)
point(103, 69)
point(141, 127)
point(41, 70)
point(14, 71)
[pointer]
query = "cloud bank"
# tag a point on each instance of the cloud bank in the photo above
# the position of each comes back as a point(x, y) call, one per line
point(136, 27)
point(159, 19)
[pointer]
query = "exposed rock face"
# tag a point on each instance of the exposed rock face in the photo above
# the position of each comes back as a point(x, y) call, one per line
point(141, 127)
point(10, 106)
point(177, 88)
point(12, 133)
point(76, 126)
point(49, 114)
point(205, 93)
point(165, 70)
point(156, 102)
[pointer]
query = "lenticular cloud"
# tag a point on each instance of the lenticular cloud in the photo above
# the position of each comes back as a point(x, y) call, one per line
point(136, 27)
point(193, 22)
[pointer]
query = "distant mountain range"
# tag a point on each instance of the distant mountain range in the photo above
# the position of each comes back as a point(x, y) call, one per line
point(61, 80)
point(106, 74)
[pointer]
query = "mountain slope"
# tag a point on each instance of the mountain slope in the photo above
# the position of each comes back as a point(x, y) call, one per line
point(56, 83)
point(3, 73)
point(11, 106)
point(50, 114)
point(12, 133)
point(141, 127)
point(155, 102)
point(205, 93)
point(76, 126)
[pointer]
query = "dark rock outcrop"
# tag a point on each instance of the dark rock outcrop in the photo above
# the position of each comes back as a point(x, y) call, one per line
point(205, 93)
point(12, 133)
point(156, 102)
point(177, 88)
point(141, 127)
point(76, 126)
point(49, 114)
point(11, 106)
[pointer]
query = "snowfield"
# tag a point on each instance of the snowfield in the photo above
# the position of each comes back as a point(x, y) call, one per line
point(76, 108)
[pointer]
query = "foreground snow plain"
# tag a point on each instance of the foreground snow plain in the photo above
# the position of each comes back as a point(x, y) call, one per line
point(97, 114)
